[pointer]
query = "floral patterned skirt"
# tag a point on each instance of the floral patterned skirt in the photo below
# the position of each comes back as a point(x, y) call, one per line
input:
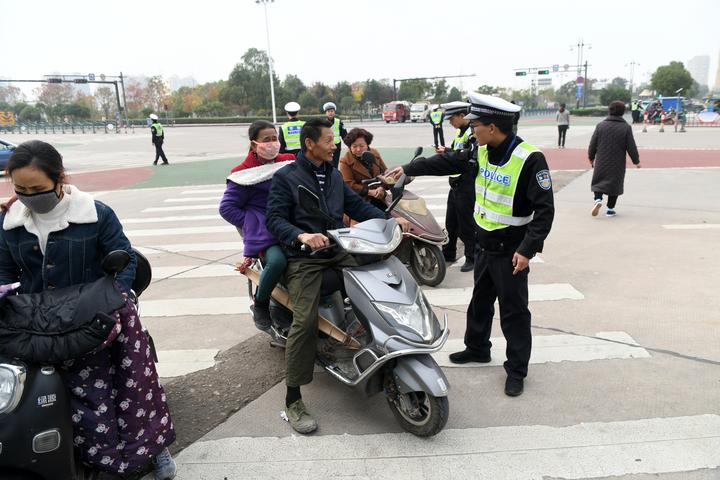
point(120, 414)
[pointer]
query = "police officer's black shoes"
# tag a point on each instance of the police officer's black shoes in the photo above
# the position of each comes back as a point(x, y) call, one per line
point(468, 266)
point(467, 356)
point(513, 386)
point(450, 257)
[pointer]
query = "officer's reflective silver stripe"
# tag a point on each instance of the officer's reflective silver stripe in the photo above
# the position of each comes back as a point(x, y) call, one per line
point(504, 219)
point(521, 152)
point(495, 197)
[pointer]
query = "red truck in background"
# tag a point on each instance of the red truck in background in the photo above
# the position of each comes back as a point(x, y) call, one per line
point(397, 111)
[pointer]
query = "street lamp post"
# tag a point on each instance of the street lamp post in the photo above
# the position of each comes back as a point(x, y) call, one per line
point(270, 67)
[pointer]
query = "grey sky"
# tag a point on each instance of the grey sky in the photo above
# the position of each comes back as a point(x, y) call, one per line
point(331, 40)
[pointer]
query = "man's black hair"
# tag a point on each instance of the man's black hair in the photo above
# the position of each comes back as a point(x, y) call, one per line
point(313, 130)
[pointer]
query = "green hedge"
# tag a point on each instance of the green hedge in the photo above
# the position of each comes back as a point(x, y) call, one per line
point(590, 112)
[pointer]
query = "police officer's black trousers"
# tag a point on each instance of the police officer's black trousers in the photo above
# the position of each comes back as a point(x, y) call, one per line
point(459, 222)
point(494, 279)
point(159, 153)
point(336, 155)
point(438, 134)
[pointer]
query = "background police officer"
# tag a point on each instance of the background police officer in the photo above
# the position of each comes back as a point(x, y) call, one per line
point(436, 119)
point(158, 138)
point(338, 129)
point(290, 130)
point(459, 220)
point(514, 211)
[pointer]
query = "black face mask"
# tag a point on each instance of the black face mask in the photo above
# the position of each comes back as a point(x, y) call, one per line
point(41, 202)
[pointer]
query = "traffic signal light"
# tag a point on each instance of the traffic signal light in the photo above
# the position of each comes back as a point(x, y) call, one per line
point(54, 80)
point(520, 74)
point(80, 80)
point(543, 72)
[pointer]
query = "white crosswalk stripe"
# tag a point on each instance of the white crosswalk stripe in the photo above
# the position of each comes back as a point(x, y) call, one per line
point(533, 452)
point(176, 218)
point(192, 247)
point(182, 208)
point(193, 199)
point(161, 232)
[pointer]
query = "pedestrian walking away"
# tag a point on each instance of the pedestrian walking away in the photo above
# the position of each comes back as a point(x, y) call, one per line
point(158, 138)
point(290, 130)
point(436, 119)
point(338, 128)
point(563, 122)
point(612, 140)
point(459, 221)
point(514, 211)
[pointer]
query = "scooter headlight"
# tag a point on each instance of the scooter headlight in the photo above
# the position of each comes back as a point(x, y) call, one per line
point(358, 245)
point(12, 381)
point(417, 316)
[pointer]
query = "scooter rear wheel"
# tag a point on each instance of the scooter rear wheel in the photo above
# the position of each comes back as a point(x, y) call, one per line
point(420, 413)
point(428, 264)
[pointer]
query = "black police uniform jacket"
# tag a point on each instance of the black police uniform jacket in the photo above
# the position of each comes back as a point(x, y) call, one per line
point(533, 196)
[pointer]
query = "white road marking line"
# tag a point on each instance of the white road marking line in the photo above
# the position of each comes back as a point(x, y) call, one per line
point(177, 218)
point(553, 348)
point(696, 226)
point(205, 191)
point(181, 208)
point(192, 199)
point(160, 232)
point(534, 452)
point(175, 363)
point(460, 261)
point(189, 271)
point(442, 297)
point(180, 307)
point(192, 247)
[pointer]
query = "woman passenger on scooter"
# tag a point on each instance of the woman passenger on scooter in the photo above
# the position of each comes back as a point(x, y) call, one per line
point(56, 236)
point(354, 168)
point(243, 205)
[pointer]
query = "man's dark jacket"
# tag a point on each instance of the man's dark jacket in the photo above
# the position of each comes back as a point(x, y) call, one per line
point(286, 218)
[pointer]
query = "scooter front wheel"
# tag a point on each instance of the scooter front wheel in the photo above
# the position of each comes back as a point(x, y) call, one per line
point(428, 264)
point(420, 413)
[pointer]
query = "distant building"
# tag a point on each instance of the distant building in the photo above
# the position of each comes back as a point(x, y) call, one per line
point(699, 68)
point(716, 88)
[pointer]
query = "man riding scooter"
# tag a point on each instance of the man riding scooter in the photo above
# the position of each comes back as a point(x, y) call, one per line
point(296, 227)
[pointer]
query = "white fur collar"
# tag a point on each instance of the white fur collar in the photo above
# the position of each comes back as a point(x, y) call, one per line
point(255, 175)
point(81, 210)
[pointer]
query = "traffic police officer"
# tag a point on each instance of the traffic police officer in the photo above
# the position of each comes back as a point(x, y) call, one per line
point(514, 211)
point(459, 220)
point(290, 130)
point(158, 138)
point(436, 119)
point(338, 129)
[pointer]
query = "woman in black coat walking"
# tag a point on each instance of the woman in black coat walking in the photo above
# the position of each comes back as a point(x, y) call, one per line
point(612, 139)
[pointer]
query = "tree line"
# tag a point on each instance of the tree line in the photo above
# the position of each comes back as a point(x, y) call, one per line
point(246, 92)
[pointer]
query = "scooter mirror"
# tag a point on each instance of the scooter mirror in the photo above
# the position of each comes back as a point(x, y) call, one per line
point(115, 262)
point(367, 158)
point(308, 200)
point(418, 151)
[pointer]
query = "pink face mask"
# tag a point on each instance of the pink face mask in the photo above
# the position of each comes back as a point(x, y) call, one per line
point(267, 150)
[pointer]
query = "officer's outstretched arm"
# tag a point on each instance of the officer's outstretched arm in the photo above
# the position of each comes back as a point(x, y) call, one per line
point(448, 163)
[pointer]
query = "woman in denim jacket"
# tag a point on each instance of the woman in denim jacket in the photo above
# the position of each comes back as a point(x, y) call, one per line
point(56, 236)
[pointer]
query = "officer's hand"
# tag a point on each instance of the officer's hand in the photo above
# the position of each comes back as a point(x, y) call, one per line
point(520, 263)
point(638, 165)
point(439, 149)
point(396, 172)
point(5, 206)
point(314, 240)
point(404, 224)
point(592, 164)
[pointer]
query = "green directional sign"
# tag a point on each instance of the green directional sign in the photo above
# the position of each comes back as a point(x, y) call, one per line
point(520, 74)
point(543, 72)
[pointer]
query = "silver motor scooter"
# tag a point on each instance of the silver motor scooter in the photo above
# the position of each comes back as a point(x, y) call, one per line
point(390, 327)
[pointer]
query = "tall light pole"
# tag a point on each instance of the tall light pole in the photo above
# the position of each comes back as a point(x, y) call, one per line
point(270, 67)
point(632, 66)
point(580, 51)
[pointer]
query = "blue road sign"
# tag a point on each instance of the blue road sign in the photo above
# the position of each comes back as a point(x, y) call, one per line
point(579, 92)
